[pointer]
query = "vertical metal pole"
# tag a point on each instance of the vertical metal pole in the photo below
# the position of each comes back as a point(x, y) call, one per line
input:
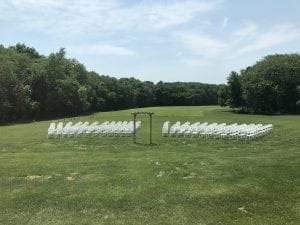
point(134, 126)
point(150, 128)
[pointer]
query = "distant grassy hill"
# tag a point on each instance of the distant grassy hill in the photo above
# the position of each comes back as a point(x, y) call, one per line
point(109, 180)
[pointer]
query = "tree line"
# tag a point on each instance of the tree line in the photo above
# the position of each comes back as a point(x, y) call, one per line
point(34, 86)
point(271, 86)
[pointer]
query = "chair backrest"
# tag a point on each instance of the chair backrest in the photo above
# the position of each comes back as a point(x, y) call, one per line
point(77, 124)
point(94, 124)
point(51, 126)
point(68, 125)
point(60, 125)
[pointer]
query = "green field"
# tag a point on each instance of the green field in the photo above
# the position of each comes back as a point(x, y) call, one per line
point(109, 180)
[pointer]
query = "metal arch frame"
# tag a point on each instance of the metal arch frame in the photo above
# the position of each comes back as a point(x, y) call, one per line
point(134, 125)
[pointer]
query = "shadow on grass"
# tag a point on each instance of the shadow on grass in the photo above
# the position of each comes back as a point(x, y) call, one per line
point(146, 144)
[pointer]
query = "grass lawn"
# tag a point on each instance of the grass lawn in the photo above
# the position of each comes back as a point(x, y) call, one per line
point(109, 180)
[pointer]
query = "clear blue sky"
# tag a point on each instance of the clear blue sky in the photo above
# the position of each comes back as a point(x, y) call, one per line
point(168, 40)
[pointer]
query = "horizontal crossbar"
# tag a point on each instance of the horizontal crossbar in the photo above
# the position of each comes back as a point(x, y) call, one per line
point(149, 113)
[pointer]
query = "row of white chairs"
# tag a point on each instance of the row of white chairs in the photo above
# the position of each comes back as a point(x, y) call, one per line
point(107, 128)
point(165, 129)
point(215, 130)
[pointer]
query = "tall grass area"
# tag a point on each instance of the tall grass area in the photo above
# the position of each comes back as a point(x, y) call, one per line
point(110, 180)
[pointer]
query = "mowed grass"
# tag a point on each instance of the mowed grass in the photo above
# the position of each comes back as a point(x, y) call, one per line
point(110, 180)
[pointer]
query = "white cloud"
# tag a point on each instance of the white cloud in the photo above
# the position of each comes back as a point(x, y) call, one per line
point(100, 49)
point(165, 15)
point(225, 22)
point(248, 30)
point(204, 49)
point(277, 35)
point(202, 45)
point(81, 16)
point(195, 62)
point(34, 3)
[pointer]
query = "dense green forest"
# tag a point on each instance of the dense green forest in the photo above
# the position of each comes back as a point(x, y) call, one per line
point(270, 86)
point(34, 86)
